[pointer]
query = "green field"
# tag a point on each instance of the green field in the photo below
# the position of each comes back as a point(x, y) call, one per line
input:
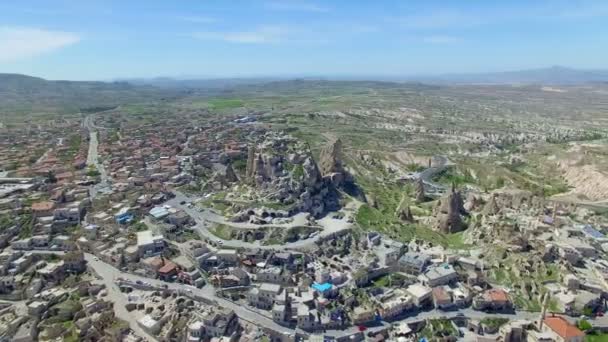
point(221, 104)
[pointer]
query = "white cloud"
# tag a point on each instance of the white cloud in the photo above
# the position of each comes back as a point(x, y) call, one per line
point(22, 42)
point(261, 35)
point(297, 6)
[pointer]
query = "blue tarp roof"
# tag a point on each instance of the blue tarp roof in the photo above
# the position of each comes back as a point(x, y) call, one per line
point(124, 218)
point(592, 232)
point(321, 287)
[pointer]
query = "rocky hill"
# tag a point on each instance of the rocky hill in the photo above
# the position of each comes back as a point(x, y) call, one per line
point(282, 170)
point(21, 93)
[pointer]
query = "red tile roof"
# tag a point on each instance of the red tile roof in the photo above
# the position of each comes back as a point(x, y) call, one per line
point(441, 295)
point(168, 267)
point(562, 327)
point(497, 295)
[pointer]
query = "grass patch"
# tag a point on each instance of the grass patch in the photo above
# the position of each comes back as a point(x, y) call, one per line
point(596, 337)
point(298, 172)
point(382, 281)
point(494, 323)
point(138, 227)
point(225, 103)
point(439, 328)
point(222, 231)
point(190, 235)
point(370, 218)
point(273, 240)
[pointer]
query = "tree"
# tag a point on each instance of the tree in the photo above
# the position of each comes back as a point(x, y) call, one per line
point(50, 177)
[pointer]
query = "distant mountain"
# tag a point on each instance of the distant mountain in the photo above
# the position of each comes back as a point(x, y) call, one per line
point(22, 84)
point(23, 94)
point(27, 94)
point(556, 75)
point(196, 83)
point(553, 75)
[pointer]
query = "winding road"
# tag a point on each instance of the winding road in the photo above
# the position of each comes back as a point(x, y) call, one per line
point(109, 275)
point(205, 218)
point(441, 163)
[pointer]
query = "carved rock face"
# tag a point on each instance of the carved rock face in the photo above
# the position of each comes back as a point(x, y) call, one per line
point(283, 170)
point(448, 213)
point(420, 196)
point(491, 208)
point(330, 159)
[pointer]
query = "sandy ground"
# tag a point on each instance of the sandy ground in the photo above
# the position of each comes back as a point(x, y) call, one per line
point(587, 180)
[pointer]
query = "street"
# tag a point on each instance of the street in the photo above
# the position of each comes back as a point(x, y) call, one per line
point(93, 158)
point(206, 217)
point(109, 274)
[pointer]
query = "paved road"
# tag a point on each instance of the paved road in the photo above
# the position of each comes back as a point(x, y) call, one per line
point(110, 274)
point(205, 218)
point(93, 157)
point(441, 163)
point(436, 314)
point(107, 275)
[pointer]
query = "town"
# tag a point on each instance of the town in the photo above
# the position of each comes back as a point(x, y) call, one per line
point(229, 229)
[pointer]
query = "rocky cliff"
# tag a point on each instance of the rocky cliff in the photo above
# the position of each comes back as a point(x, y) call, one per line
point(449, 212)
point(331, 164)
point(283, 171)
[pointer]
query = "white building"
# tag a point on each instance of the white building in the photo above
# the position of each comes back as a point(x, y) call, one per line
point(149, 244)
point(419, 293)
point(439, 275)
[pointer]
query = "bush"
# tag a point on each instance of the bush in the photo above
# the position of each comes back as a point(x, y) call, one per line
point(584, 325)
point(93, 173)
point(239, 164)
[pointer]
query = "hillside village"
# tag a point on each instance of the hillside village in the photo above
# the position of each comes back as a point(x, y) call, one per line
point(230, 230)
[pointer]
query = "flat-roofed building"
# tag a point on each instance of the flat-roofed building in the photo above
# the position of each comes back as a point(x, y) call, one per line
point(149, 244)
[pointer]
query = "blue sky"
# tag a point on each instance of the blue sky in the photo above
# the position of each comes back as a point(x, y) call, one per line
point(94, 39)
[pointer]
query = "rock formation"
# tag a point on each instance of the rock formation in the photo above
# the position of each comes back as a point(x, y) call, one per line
point(491, 208)
point(517, 199)
point(223, 174)
point(283, 170)
point(330, 163)
point(473, 201)
point(249, 165)
point(330, 158)
point(448, 213)
point(371, 200)
point(420, 195)
point(405, 214)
